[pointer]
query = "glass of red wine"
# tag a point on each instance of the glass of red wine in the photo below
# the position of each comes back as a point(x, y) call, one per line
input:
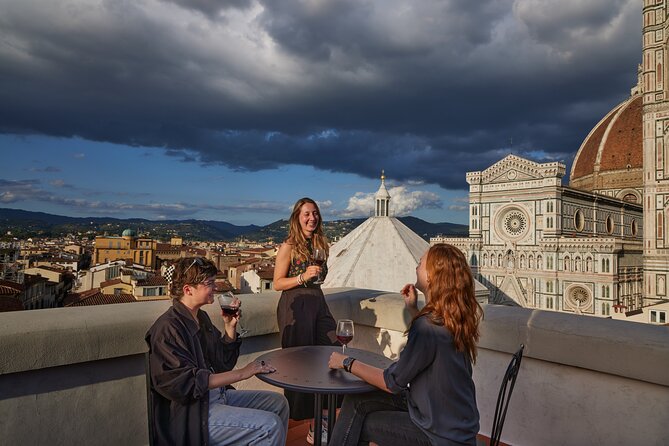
point(231, 306)
point(318, 258)
point(344, 333)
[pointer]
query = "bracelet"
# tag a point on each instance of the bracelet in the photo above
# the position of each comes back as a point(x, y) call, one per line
point(300, 280)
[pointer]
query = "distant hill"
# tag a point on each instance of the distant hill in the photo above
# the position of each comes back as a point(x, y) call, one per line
point(24, 224)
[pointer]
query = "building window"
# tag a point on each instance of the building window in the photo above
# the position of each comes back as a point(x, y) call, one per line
point(606, 309)
point(658, 317)
point(549, 303)
point(606, 266)
point(150, 292)
point(549, 286)
point(630, 198)
point(579, 220)
point(634, 228)
point(549, 262)
point(610, 226)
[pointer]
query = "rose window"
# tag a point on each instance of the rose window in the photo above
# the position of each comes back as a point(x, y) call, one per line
point(579, 298)
point(514, 223)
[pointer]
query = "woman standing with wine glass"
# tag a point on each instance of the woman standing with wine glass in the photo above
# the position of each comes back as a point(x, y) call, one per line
point(427, 397)
point(303, 315)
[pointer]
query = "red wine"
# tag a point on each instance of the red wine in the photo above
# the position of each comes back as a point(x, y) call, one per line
point(230, 311)
point(319, 262)
point(344, 339)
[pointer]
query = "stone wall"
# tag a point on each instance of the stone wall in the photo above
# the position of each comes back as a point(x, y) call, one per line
point(76, 375)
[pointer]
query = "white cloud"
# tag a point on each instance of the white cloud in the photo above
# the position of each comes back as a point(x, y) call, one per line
point(403, 202)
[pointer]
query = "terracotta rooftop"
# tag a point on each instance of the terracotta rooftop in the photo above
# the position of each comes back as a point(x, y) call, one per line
point(614, 144)
point(107, 283)
point(9, 287)
point(223, 286)
point(266, 274)
point(152, 281)
point(102, 299)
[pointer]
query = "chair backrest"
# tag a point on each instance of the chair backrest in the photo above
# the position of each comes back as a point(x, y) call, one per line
point(504, 396)
point(149, 402)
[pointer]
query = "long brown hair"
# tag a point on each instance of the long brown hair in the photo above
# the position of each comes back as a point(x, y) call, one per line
point(296, 236)
point(450, 297)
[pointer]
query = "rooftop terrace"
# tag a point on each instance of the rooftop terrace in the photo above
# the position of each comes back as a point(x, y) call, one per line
point(79, 372)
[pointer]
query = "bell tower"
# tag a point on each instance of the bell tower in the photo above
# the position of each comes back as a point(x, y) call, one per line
point(653, 86)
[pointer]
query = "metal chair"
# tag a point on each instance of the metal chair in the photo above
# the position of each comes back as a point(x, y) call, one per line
point(505, 395)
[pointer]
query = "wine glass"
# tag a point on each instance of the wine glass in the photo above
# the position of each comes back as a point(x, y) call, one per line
point(318, 258)
point(344, 333)
point(226, 300)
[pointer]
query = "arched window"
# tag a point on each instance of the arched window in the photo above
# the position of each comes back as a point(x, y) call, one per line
point(522, 261)
point(630, 198)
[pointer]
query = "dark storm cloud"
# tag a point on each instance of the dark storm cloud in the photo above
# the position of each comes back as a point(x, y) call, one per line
point(211, 7)
point(426, 89)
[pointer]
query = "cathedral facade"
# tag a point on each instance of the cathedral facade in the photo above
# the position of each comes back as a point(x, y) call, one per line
point(601, 244)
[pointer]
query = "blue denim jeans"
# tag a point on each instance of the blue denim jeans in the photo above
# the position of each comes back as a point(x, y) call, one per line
point(247, 417)
point(379, 417)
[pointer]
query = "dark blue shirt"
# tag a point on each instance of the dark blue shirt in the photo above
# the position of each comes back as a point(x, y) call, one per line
point(437, 381)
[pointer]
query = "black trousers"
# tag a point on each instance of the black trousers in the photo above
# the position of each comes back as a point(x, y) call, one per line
point(379, 417)
point(304, 319)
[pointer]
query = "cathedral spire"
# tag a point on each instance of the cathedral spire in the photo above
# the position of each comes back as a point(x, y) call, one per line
point(382, 199)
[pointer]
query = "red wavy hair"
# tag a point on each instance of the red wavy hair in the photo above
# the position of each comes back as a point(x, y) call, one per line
point(450, 297)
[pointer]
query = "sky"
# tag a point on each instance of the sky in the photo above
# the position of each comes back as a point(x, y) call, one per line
point(232, 110)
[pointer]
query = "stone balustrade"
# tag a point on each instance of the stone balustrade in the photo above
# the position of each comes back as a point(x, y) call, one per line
point(76, 375)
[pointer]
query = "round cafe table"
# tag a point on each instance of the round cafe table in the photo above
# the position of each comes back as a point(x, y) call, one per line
point(305, 369)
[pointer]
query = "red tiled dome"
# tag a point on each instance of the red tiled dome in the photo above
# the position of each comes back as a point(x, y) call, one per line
point(612, 151)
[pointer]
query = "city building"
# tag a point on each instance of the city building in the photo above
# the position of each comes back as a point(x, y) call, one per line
point(10, 268)
point(260, 280)
point(140, 250)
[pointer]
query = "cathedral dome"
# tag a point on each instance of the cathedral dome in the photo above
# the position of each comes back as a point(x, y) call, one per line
point(610, 160)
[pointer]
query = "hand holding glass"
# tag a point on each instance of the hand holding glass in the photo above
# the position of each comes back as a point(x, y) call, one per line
point(231, 308)
point(318, 258)
point(344, 332)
